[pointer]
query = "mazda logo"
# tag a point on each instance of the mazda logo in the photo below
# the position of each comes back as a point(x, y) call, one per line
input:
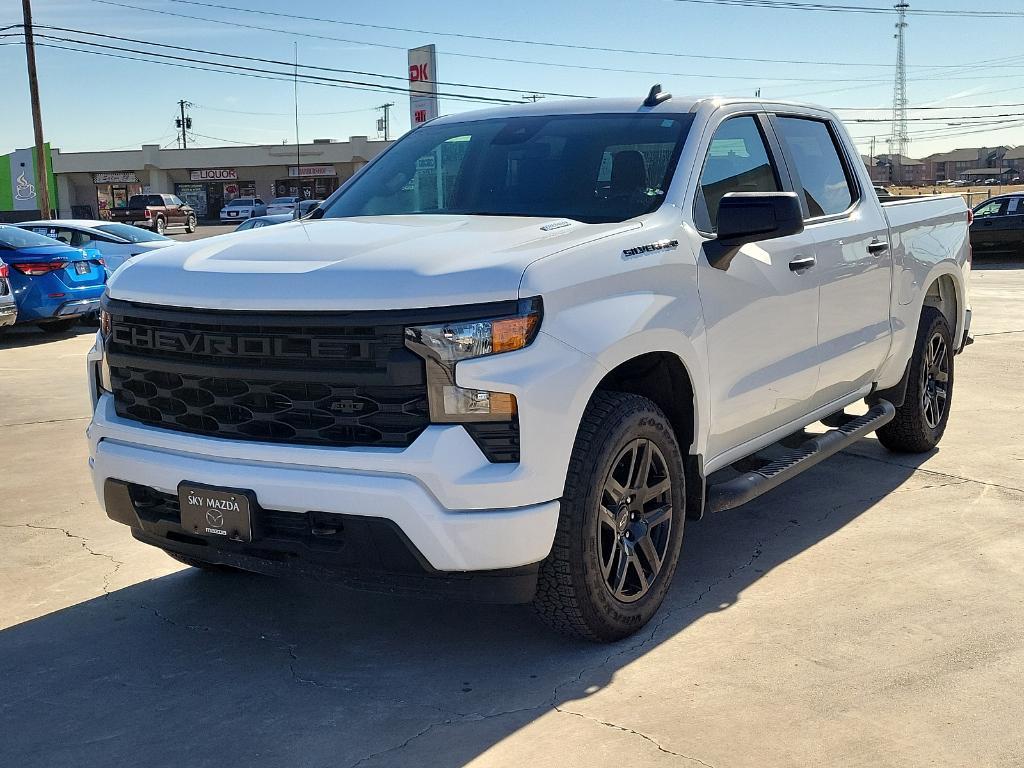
point(216, 519)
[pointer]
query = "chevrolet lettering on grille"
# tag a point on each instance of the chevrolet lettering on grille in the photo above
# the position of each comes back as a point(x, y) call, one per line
point(234, 345)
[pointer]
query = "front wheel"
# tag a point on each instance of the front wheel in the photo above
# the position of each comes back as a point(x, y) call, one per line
point(921, 420)
point(190, 224)
point(620, 527)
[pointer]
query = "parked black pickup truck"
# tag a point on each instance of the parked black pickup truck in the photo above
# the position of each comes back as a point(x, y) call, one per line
point(156, 212)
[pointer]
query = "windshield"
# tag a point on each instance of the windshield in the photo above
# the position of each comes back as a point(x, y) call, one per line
point(15, 237)
point(239, 202)
point(591, 168)
point(129, 233)
point(282, 201)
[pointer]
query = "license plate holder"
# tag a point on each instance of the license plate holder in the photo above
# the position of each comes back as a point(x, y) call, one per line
point(219, 513)
point(82, 267)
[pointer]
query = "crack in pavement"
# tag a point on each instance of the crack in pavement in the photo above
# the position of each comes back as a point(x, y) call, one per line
point(107, 577)
point(995, 333)
point(643, 736)
point(45, 421)
point(946, 475)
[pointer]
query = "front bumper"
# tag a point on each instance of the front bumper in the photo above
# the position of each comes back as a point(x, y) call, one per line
point(449, 540)
point(370, 553)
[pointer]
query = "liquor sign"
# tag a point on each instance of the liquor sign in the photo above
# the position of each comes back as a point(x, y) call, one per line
point(213, 174)
point(422, 84)
point(296, 171)
point(115, 177)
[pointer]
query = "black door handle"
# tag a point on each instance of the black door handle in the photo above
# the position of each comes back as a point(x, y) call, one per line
point(800, 263)
point(878, 246)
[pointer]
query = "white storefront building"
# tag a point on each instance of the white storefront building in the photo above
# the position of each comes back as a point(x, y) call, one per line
point(90, 183)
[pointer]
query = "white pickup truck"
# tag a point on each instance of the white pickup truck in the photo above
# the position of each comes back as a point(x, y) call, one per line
point(514, 353)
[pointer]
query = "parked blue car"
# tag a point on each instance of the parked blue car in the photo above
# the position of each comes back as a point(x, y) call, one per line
point(53, 284)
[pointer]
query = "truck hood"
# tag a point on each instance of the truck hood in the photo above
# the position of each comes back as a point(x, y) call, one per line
point(393, 262)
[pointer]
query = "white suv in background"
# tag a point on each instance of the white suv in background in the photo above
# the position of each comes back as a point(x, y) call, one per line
point(242, 208)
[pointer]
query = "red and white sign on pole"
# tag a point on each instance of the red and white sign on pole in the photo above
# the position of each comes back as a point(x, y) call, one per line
point(422, 84)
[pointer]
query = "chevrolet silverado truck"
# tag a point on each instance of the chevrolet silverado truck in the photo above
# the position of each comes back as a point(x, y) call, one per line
point(156, 212)
point(510, 357)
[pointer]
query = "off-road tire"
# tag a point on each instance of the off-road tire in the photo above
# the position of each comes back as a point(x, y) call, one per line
point(159, 225)
point(909, 431)
point(572, 595)
point(195, 562)
point(190, 223)
point(58, 326)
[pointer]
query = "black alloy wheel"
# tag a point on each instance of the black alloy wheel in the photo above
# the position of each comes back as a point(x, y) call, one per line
point(921, 420)
point(620, 522)
point(635, 521)
point(935, 372)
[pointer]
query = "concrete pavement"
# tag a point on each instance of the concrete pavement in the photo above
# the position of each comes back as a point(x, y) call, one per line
point(870, 613)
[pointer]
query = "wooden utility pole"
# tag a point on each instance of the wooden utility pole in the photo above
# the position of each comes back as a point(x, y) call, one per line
point(42, 177)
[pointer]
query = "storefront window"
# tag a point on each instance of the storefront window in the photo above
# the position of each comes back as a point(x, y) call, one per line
point(306, 188)
point(114, 196)
point(210, 196)
point(195, 196)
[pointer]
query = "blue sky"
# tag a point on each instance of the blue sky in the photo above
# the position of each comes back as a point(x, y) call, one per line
point(93, 102)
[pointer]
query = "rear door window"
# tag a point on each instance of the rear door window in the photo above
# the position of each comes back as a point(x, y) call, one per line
point(737, 161)
point(827, 183)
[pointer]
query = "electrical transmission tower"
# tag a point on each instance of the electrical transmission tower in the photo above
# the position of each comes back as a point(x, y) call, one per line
point(898, 139)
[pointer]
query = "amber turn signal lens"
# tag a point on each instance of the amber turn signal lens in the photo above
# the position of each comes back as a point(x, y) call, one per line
point(513, 332)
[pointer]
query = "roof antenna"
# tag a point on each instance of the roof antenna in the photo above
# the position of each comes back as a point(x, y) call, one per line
point(656, 96)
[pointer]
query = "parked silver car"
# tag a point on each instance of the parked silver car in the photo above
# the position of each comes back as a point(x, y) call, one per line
point(8, 309)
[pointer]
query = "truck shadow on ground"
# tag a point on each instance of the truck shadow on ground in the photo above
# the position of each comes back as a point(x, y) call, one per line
point(983, 262)
point(198, 669)
point(30, 336)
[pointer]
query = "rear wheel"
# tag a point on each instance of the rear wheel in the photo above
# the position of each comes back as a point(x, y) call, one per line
point(160, 225)
point(58, 326)
point(921, 420)
point(190, 223)
point(620, 527)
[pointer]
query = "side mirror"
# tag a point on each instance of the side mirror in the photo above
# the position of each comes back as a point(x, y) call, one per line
point(747, 217)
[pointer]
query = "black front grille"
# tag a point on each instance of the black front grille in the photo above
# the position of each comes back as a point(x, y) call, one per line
point(329, 379)
point(271, 411)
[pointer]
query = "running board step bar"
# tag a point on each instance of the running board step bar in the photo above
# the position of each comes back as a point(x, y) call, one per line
point(748, 486)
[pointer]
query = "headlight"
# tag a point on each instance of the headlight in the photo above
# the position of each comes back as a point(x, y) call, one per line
point(451, 342)
point(444, 344)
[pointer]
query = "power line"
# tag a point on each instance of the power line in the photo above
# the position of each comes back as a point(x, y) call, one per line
point(516, 41)
point(357, 84)
point(793, 5)
point(283, 114)
point(502, 59)
point(278, 62)
point(759, 77)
